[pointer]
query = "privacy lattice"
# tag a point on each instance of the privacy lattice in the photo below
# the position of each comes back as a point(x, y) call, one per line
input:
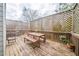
point(76, 19)
point(60, 22)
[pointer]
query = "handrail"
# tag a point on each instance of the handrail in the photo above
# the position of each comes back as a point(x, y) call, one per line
point(75, 35)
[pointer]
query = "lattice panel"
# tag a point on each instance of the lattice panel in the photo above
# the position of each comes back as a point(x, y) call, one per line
point(76, 20)
point(68, 24)
point(59, 22)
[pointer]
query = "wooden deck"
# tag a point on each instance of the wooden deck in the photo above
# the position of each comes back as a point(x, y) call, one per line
point(50, 48)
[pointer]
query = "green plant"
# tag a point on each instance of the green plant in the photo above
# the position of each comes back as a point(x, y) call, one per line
point(65, 40)
point(57, 27)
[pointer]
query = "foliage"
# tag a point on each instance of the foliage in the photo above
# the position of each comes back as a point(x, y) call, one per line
point(67, 25)
point(65, 6)
point(29, 14)
point(57, 27)
point(65, 40)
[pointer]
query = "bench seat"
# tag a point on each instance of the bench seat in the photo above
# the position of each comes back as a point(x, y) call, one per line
point(11, 40)
point(30, 39)
point(34, 42)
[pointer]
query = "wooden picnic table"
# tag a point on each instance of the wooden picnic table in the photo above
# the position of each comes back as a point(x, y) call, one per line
point(38, 36)
point(35, 38)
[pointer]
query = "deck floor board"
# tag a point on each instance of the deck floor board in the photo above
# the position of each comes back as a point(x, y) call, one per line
point(50, 48)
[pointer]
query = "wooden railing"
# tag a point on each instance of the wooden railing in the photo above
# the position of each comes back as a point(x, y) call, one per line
point(55, 36)
point(11, 33)
point(75, 40)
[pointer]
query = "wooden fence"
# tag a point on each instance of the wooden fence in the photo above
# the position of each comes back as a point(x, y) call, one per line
point(60, 22)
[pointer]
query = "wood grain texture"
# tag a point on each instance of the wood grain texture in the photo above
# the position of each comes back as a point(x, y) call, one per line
point(50, 48)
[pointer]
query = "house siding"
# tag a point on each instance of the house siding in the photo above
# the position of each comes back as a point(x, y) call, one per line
point(1, 29)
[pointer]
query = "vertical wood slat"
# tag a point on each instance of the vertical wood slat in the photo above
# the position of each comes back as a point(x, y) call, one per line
point(77, 47)
point(75, 40)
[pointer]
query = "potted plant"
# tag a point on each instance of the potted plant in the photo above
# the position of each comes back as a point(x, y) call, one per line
point(67, 43)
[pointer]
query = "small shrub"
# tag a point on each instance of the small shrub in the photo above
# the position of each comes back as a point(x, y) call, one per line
point(64, 39)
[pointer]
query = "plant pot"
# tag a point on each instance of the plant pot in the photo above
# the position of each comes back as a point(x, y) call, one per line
point(71, 46)
point(68, 45)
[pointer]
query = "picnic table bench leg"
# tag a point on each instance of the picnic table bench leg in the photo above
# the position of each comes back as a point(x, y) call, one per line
point(44, 39)
point(36, 44)
point(8, 41)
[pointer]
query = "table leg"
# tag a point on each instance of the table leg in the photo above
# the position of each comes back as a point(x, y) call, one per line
point(44, 39)
point(38, 42)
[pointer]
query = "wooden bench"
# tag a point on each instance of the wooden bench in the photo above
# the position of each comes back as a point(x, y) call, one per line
point(34, 42)
point(11, 40)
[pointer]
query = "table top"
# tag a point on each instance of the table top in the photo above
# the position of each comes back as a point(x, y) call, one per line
point(36, 34)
